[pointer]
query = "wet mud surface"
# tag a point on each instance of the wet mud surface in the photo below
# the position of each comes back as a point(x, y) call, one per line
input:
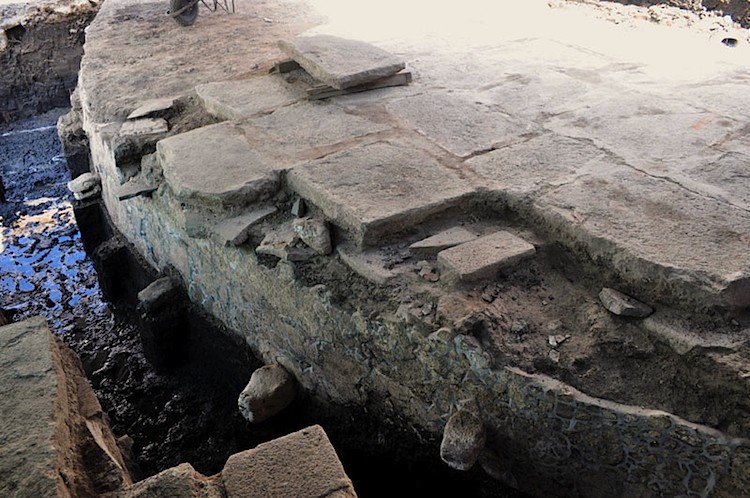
point(189, 412)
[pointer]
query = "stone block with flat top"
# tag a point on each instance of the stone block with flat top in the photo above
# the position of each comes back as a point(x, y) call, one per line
point(224, 170)
point(447, 238)
point(379, 188)
point(481, 258)
point(341, 63)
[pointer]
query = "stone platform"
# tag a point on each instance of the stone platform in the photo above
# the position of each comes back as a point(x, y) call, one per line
point(567, 162)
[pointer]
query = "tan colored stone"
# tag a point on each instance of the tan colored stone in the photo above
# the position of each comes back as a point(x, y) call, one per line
point(481, 258)
point(300, 465)
point(56, 440)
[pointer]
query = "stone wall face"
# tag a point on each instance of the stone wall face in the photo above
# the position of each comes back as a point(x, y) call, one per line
point(544, 437)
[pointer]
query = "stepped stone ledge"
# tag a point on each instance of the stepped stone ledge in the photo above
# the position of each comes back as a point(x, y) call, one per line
point(607, 172)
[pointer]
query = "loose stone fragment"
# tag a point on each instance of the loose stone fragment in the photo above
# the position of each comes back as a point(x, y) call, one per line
point(482, 257)
point(314, 232)
point(443, 240)
point(85, 186)
point(463, 440)
point(623, 305)
point(158, 294)
point(282, 243)
point(270, 390)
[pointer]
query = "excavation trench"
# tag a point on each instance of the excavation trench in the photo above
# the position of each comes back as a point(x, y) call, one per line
point(187, 412)
point(63, 259)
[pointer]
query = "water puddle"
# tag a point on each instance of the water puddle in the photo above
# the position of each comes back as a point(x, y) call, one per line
point(43, 267)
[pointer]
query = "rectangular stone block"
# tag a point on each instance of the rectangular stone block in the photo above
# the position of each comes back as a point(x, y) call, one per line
point(341, 63)
point(447, 238)
point(379, 188)
point(303, 464)
point(481, 258)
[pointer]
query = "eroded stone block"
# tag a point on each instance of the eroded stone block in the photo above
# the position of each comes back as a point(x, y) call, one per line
point(303, 464)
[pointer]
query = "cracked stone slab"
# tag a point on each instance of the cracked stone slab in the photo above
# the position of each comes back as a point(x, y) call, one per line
point(458, 123)
point(216, 165)
point(306, 130)
point(447, 238)
point(665, 240)
point(533, 166)
point(483, 257)
point(236, 230)
point(379, 188)
point(239, 99)
point(645, 130)
point(339, 62)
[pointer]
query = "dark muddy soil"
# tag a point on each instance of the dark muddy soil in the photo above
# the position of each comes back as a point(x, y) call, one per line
point(189, 412)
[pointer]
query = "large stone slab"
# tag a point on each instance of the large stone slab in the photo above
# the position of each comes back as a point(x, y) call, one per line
point(458, 123)
point(238, 99)
point(341, 63)
point(302, 464)
point(306, 130)
point(379, 188)
point(481, 258)
point(216, 165)
point(54, 438)
point(667, 241)
point(533, 166)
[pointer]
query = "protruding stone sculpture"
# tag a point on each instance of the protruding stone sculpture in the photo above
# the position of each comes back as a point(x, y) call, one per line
point(270, 390)
point(463, 440)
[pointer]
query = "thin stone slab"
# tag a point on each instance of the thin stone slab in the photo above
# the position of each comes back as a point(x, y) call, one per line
point(458, 123)
point(144, 126)
point(482, 258)
point(341, 63)
point(235, 231)
point(239, 99)
point(134, 188)
point(216, 165)
point(379, 188)
point(153, 106)
point(447, 238)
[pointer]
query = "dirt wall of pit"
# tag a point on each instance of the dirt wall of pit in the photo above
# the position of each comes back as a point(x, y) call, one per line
point(738, 10)
point(41, 46)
